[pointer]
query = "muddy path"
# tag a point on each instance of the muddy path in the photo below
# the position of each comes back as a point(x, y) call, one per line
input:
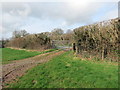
point(11, 72)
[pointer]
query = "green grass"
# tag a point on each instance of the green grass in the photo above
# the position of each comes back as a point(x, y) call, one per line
point(9, 55)
point(68, 71)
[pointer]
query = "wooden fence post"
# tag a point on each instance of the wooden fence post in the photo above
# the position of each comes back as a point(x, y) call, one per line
point(104, 52)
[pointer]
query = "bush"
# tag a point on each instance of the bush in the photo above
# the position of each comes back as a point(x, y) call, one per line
point(33, 41)
point(102, 37)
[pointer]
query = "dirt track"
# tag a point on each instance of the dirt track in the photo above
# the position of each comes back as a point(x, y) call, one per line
point(10, 72)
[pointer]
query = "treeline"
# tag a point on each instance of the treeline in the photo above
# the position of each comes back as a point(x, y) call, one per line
point(44, 40)
point(100, 40)
point(60, 38)
point(29, 41)
point(3, 43)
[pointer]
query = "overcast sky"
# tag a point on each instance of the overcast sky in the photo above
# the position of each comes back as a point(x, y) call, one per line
point(36, 17)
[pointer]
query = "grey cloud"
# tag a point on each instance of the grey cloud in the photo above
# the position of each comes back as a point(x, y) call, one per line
point(53, 10)
point(64, 11)
point(15, 14)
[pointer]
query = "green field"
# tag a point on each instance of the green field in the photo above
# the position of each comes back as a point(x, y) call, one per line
point(68, 71)
point(9, 54)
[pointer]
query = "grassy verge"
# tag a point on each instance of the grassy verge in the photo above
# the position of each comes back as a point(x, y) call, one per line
point(9, 54)
point(68, 71)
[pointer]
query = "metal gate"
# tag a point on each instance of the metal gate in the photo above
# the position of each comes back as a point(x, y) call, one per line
point(61, 44)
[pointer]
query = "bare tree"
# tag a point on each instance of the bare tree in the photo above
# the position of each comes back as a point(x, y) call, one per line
point(56, 34)
point(57, 31)
point(21, 33)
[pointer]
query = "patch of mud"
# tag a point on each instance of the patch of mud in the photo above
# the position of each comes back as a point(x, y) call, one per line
point(11, 72)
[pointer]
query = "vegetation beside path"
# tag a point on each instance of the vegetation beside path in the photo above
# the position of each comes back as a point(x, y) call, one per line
point(68, 71)
point(9, 54)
